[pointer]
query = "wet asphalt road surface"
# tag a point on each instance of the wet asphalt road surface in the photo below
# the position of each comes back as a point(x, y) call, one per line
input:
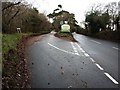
point(56, 63)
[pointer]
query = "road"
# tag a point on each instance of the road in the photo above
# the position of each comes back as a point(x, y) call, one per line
point(88, 63)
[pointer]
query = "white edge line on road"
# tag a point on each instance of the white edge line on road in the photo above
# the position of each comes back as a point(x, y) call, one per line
point(115, 48)
point(99, 66)
point(95, 41)
point(92, 60)
point(61, 49)
point(74, 48)
point(111, 78)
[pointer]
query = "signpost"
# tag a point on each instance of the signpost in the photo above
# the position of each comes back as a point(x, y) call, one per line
point(19, 30)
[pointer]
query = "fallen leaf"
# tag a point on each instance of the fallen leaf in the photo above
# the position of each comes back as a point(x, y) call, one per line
point(48, 83)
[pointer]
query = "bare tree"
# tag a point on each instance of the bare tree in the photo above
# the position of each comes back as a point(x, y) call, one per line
point(10, 10)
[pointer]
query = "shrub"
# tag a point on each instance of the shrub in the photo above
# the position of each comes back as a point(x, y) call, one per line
point(109, 35)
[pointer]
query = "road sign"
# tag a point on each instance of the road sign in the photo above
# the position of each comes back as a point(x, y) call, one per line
point(65, 28)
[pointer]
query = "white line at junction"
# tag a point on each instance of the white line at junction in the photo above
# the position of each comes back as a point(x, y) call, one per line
point(61, 49)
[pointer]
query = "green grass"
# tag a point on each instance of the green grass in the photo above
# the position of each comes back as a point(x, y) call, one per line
point(10, 58)
point(12, 46)
point(9, 41)
point(0, 53)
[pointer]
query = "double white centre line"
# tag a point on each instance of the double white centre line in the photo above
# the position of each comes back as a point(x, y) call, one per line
point(87, 55)
point(74, 48)
point(80, 48)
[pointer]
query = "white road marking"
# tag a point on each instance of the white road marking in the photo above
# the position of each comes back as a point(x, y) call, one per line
point(76, 53)
point(99, 66)
point(61, 49)
point(95, 41)
point(80, 48)
point(82, 51)
point(92, 60)
point(115, 48)
point(78, 45)
point(86, 54)
point(111, 78)
point(74, 48)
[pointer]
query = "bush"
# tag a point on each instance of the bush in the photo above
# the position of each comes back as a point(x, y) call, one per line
point(109, 35)
point(27, 18)
point(84, 32)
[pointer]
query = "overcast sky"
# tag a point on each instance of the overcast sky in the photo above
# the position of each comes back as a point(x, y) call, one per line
point(78, 7)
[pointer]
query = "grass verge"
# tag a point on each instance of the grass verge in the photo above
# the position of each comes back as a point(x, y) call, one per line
point(14, 69)
point(15, 72)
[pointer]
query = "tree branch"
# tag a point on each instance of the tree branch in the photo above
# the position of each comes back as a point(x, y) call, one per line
point(14, 15)
point(10, 5)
